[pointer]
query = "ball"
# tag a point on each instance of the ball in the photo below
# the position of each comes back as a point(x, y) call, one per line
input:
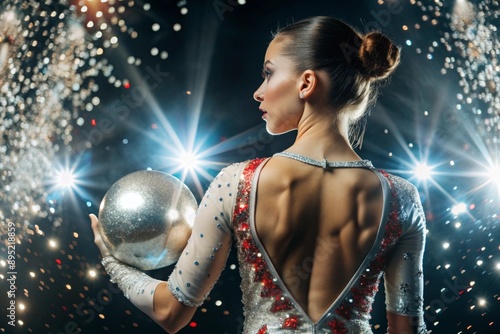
point(146, 218)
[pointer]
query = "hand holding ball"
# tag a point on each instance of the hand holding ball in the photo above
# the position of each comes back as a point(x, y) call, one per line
point(145, 219)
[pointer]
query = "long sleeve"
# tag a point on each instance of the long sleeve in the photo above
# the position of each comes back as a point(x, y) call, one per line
point(404, 274)
point(137, 286)
point(202, 260)
point(205, 255)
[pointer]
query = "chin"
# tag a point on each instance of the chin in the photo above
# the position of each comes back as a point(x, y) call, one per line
point(272, 132)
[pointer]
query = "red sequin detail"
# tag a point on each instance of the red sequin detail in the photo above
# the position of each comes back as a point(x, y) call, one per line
point(368, 283)
point(292, 322)
point(249, 250)
point(262, 330)
point(270, 290)
point(337, 326)
point(281, 304)
point(344, 311)
point(361, 293)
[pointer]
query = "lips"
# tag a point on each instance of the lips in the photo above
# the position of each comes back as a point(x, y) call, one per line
point(263, 112)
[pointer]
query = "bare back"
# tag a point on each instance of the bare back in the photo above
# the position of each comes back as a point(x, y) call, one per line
point(317, 226)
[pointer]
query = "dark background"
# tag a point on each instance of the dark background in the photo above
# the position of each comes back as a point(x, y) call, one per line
point(217, 56)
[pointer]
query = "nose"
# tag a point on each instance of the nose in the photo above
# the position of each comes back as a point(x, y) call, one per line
point(258, 95)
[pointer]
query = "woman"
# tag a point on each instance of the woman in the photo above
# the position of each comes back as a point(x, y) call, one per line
point(316, 226)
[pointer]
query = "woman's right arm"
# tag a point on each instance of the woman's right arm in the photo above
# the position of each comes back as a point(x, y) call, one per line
point(169, 313)
point(150, 295)
point(172, 304)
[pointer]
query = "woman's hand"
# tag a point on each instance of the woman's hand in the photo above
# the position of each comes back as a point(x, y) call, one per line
point(97, 236)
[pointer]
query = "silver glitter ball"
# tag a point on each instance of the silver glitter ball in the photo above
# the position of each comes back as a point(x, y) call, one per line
point(146, 219)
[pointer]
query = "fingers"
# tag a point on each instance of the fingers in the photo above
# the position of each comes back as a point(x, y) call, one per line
point(94, 220)
point(97, 235)
point(95, 226)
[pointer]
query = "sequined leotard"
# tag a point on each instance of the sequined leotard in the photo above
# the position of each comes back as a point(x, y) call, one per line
point(226, 212)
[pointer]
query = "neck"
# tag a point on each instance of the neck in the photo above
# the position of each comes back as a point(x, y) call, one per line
point(320, 136)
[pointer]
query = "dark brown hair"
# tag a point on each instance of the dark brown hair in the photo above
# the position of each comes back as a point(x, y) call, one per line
point(354, 63)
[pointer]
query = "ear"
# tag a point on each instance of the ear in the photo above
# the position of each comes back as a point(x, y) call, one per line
point(307, 83)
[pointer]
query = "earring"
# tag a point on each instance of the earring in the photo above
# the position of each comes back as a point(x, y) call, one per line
point(301, 95)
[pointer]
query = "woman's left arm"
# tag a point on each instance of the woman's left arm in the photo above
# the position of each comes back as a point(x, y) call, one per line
point(403, 276)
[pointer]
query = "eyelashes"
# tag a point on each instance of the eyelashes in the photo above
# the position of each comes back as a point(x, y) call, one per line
point(266, 74)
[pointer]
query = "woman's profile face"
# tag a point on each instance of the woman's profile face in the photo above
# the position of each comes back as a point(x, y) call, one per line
point(279, 92)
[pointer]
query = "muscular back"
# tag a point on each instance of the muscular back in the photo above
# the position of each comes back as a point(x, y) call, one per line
point(317, 226)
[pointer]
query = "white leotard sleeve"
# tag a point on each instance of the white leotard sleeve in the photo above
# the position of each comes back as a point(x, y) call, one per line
point(205, 255)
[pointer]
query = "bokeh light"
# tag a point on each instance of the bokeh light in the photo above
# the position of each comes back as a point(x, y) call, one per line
point(494, 175)
point(188, 160)
point(422, 171)
point(65, 179)
point(459, 209)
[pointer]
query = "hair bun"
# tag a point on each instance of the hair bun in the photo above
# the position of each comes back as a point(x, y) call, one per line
point(379, 55)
